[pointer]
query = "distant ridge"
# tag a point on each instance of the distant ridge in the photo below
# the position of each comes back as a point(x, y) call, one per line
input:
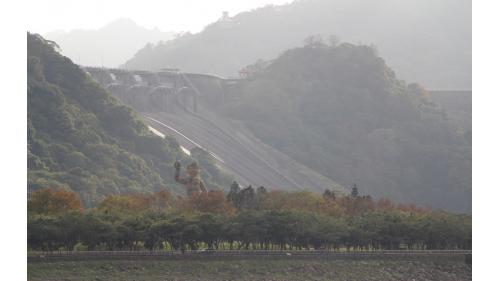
point(425, 41)
point(109, 45)
point(342, 112)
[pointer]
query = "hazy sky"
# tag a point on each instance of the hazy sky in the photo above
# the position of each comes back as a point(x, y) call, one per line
point(167, 15)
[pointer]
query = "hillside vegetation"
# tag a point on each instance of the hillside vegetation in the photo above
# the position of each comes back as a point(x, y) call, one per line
point(458, 106)
point(82, 139)
point(341, 111)
point(424, 40)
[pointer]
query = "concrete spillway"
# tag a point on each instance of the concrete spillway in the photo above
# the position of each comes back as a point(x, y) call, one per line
point(239, 152)
point(186, 111)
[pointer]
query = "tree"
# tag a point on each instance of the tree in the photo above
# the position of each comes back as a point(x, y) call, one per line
point(260, 197)
point(208, 202)
point(211, 227)
point(247, 198)
point(96, 230)
point(161, 200)
point(233, 195)
point(131, 230)
point(314, 41)
point(43, 233)
point(333, 40)
point(162, 230)
point(51, 201)
point(385, 204)
point(329, 195)
point(129, 203)
point(281, 200)
point(354, 191)
point(261, 191)
point(69, 229)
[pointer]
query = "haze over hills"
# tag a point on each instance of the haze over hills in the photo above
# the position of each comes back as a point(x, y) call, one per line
point(342, 112)
point(337, 110)
point(108, 46)
point(83, 139)
point(424, 41)
point(458, 106)
point(321, 115)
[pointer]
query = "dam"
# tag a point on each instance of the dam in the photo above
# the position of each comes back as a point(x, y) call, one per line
point(188, 106)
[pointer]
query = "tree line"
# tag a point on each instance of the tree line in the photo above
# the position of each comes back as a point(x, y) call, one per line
point(243, 219)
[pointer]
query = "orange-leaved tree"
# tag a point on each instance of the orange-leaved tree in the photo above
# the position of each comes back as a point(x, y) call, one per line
point(136, 202)
point(161, 200)
point(53, 201)
point(207, 202)
point(278, 200)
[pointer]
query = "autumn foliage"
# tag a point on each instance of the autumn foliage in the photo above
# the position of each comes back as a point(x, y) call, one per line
point(326, 204)
point(136, 202)
point(242, 219)
point(53, 201)
point(208, 202)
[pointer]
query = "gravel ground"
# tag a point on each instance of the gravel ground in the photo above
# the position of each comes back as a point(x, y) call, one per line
point(251, 269)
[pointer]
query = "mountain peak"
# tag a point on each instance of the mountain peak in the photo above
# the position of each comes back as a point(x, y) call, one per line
point(106, 45)
point(121, 23)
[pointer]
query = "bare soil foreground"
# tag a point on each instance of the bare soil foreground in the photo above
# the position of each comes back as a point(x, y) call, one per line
point(253, 269)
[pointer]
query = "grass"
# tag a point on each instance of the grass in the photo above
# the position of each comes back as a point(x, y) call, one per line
point(251, 269)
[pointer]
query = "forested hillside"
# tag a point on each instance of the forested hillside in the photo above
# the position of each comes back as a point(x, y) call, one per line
point(423, 40)
point(458, 106)
point(83, 139)
point(342, 111)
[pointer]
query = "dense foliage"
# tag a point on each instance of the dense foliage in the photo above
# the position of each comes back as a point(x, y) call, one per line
point(81, 138)
point(341, 111)
point(50, 201)
point(247, 219)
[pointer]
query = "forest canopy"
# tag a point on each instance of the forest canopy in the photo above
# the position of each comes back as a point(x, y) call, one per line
point(341, 111)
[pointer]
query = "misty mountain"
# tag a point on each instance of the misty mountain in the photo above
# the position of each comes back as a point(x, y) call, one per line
point(458, 106)
point(425, 41)
point(341, 111)
point(108, 46)
point(82, 139)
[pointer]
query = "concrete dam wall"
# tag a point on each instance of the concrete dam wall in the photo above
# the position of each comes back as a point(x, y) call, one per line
point(188, 106)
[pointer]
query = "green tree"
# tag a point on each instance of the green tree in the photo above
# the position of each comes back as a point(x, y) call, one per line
point(354, 191)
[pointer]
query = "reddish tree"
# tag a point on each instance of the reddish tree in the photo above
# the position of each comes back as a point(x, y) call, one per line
point(53, 201)
point(385, 204)
point(161, 200)
point(209, 202)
